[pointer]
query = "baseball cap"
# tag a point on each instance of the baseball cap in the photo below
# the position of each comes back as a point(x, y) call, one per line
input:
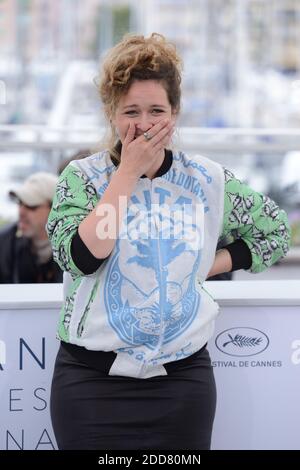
point(37, 189)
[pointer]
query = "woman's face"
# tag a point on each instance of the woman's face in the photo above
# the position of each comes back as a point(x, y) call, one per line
point(145, 104)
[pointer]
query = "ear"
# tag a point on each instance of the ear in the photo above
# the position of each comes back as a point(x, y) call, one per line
point(174, 114)
point(115, 131)
point(173, 117)
point(113, 126)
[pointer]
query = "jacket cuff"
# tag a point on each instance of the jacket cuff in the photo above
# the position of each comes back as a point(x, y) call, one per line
point(82, 257)
point(240, 255)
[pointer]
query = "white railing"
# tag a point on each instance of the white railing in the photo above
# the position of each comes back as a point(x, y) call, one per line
point(208, 140)
point(230, 143)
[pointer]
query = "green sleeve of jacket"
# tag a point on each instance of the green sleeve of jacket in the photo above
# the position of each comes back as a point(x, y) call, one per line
point(74, 199)
point(256, 219)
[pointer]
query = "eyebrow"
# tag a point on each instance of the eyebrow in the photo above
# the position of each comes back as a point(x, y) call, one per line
point(152, 106)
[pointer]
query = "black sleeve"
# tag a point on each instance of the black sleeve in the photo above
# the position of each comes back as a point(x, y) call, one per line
point(82, 257)
point(240, 255)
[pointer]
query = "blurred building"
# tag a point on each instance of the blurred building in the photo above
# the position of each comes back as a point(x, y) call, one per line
point(241, 56)
point(8, 27)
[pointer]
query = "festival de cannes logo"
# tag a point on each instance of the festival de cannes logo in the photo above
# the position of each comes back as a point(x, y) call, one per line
point(242, 341)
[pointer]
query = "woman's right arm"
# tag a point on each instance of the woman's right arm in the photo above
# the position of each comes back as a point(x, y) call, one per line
point(75, 202)
point(77, 211)
point(100, 229)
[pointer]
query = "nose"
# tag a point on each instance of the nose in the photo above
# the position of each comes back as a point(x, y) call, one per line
point(144, 122)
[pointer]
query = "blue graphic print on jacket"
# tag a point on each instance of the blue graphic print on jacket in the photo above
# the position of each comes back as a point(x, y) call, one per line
point(159, 304)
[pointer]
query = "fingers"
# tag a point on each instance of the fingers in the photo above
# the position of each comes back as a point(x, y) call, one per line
point(154, 131)
point(160, 135)
point(163, 136)
point(163, 143)
point(130, 134)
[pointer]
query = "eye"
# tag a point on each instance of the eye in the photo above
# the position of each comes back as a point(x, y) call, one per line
point(130, 113)
point(157, 110)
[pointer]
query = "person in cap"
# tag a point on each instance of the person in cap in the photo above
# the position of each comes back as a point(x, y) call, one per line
point(25, 250)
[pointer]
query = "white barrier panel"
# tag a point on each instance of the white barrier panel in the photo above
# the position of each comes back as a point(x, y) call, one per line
point(255, 353)
point(28, 339)
point(256, 357)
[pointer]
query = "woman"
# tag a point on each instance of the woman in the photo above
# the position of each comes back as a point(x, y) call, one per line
point(135, 229)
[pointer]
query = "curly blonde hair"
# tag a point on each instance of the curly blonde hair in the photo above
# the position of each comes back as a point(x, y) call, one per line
point(138, 58)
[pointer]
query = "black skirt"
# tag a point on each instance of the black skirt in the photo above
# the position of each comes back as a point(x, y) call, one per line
point(92, 410)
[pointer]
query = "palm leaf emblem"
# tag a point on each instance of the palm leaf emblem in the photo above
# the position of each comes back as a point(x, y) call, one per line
point(243, 341)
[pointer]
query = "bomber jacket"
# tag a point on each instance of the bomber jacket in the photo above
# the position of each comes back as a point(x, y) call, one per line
point(146, 301)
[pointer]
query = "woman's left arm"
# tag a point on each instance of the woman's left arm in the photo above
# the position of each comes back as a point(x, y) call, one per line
point(255, 220)
point(222, 263)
